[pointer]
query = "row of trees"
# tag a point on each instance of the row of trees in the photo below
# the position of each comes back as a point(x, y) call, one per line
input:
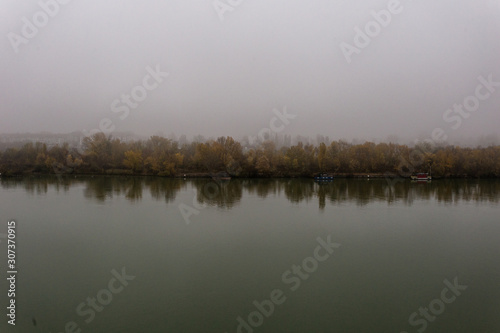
point(164, 157)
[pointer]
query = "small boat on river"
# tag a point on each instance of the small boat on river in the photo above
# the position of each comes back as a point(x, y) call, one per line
point(421, 177)
point(221, 176)
point(323, 177)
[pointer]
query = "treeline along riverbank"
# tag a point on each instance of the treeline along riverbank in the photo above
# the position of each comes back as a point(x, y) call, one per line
point(101, 154)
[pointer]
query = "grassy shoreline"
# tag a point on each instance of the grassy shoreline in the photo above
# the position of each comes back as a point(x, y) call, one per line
point(205, 175)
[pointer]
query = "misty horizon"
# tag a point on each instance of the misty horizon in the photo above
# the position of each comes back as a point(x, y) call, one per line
point(255, 140)
point(193, 69)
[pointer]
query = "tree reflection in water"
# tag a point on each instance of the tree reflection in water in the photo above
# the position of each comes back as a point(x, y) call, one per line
point(226, 194)
point(223, 194)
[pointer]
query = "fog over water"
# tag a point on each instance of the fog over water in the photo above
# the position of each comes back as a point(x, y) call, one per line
point(346, 69)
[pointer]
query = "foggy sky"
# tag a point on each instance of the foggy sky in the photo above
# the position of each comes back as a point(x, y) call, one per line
point(225, 77)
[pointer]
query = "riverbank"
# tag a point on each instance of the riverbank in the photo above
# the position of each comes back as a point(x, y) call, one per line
point(164, 157)
point(194, 175)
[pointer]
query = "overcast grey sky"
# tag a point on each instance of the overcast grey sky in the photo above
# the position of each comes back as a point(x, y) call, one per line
point(227, 75)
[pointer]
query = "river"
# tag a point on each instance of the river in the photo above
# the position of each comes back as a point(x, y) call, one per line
point(132, 254)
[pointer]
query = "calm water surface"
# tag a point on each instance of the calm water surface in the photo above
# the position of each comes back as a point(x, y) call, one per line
point(205, 256)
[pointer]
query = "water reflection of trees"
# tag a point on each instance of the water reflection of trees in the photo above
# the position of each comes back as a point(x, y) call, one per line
point(39, 184)
point(101, 188)
point(297, 190)
point(262, 187)
point(226, 194)
point(223, 194)
point(164, 188)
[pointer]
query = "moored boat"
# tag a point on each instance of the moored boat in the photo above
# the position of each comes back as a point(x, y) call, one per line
point(221, 176)
point(323, 176)
point(421, 177)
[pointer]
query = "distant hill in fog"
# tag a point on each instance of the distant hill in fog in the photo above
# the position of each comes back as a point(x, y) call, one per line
point(74, 139)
